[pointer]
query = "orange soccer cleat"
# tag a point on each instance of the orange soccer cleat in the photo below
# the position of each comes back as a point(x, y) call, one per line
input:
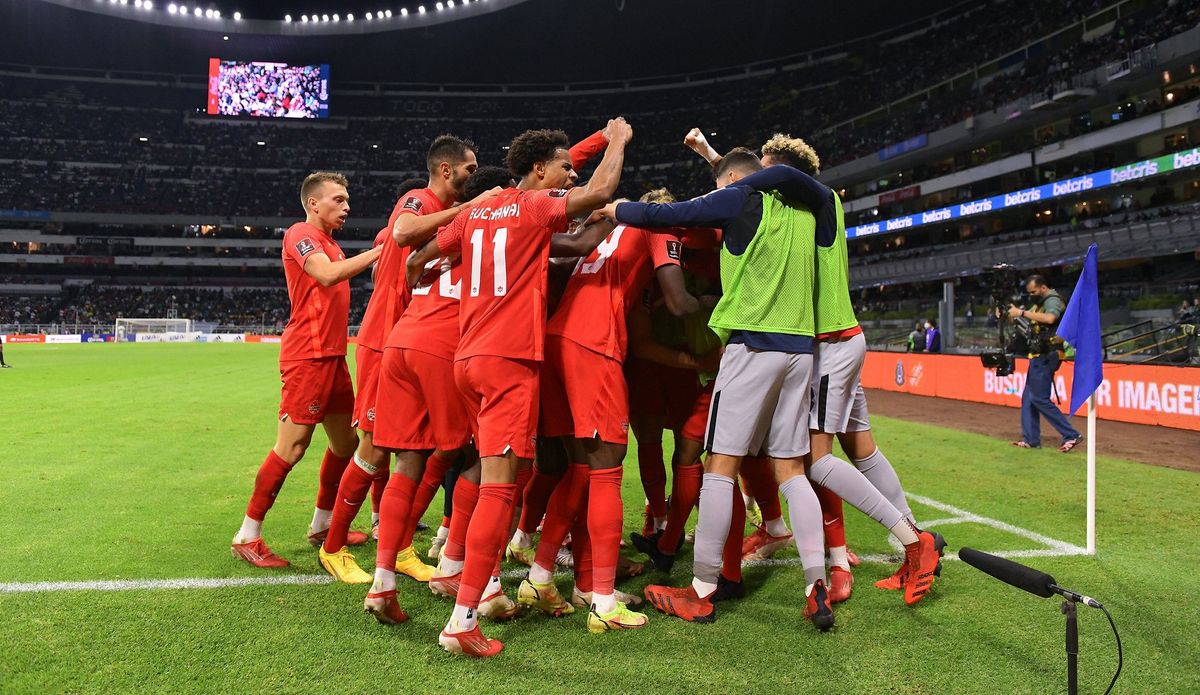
point(470, 643)
point(682, 603)
point(257, 553)
point(921, 561)
point(841, 582)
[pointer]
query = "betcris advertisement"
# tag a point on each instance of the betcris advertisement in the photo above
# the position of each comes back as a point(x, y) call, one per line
point(1099, 179)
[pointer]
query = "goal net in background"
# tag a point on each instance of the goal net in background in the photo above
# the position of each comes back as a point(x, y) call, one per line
point(124, 328)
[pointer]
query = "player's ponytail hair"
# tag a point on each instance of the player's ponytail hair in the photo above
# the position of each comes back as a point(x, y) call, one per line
point(533, 146)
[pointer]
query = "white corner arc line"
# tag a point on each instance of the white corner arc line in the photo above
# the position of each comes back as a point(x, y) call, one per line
point(1062, 546)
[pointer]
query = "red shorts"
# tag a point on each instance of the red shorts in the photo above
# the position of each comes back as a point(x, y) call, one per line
point(367, 362)
point(583, 394)
point(501, 398)
point(315, 388)
point(661, 392)
point(697, 421)
point(419, 406)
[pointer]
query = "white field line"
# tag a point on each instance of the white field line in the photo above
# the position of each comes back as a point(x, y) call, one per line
point(1054, 548)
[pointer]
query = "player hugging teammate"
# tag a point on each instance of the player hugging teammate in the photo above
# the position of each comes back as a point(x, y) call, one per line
point(727, 317)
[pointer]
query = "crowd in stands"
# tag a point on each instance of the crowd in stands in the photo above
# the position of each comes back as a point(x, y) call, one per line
point(157, 155)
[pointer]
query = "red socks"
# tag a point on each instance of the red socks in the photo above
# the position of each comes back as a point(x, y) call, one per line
point(731, 554)
point(332, 467)
point(537, 495)
point(267, 484)
point(565, 503)
point(685, 492)
point(831, 514)
point(654, 475)
point(466, 495)
point(581, 552)
point(759, 477)
point(604, 518)
point(378, 485)
point(435, 473)
point(394, 511)
point(485, 537)
point(350, 495)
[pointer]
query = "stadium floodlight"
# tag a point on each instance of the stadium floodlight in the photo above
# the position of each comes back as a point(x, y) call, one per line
point(403, 11)
point(420, 9)
point(260, 143)
point(148, 5)
point(388, 14)
point(370, 16)
point(216, 14)
point(336, 18)
point(324, 18)
point(207, 13)
point(303, 18)
point(449, 3)
point(350, 17)
point(198, 12)
point(137, 4)
point(441, 6)
point(237, 16)
point(287, 18)
point(172, 9)
point(143, 139)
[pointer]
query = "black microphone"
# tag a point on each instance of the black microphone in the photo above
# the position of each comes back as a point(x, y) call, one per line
point(1034, 581)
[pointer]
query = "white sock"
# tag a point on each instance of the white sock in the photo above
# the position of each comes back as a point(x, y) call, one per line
point(448, 567)
point(703, 588)
point(462, 619)
point(385, 580)
point(374, 518)
point(750, 502)
point(521, 539)
point(251, 529)
point(540, 575)
point(443, 533)
point(776, 527)
point(839, 558)
point(904, 532)
point(493, 586)
point(320, 521)
point(660, 523)
point(604, 603)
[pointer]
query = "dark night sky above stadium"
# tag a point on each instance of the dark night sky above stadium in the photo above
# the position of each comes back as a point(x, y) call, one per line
point(536, 41)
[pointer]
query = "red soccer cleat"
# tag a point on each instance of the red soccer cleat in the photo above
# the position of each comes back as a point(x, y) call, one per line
point(470, 642)
point(852, 558)
point(761, 545)
point(257, 553)
point(317, 538)
point(682, 603)
point(841, 582)
point(446, 586)
point(817, 607)
point(920, 565)
point(384, 606)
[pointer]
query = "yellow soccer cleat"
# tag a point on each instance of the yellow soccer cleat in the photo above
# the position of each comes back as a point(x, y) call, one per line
point(343, 567)
point(408, 563)
point(621, 618)
point(524, 556)
point(583, 599)
point(544, 597)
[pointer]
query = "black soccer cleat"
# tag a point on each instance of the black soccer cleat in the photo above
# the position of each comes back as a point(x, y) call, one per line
point(649, 546)
point(817, 607)
point(728, 589)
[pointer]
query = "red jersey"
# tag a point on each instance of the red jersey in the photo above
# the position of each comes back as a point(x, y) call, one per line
point(430, 324)
point(317, 326)
point(505, 247)
point(608, 284)
point(390, 295)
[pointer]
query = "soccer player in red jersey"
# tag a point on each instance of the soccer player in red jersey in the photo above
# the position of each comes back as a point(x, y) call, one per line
point(421, 415)
point(505, 249)
point(584, 399)
point(414, 219)
point(312, 361)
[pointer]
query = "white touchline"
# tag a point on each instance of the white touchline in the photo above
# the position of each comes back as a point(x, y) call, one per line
point(1054, 548)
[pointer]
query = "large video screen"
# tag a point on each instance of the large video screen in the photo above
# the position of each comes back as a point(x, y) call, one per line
point(269, 90)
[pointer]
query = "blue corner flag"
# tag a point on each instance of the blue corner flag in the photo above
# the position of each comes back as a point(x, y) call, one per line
point(1080, 326)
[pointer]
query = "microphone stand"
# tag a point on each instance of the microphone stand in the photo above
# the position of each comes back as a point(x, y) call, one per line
point(1068, 609)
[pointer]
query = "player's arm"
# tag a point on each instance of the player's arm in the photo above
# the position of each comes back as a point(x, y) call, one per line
point(412, 230)
point(329, 272)
point(717, 209)
point(603, 184)
point(642, 345)
point(587, 148)
point(674, 290)
point(582, 241)
point(697, 143)
point(447, 244)
point(792, 183)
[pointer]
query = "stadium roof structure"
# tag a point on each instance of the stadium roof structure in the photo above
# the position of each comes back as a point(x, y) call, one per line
point(481, 41)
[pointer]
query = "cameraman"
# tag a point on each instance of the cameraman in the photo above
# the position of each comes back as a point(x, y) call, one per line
point(1044, 359)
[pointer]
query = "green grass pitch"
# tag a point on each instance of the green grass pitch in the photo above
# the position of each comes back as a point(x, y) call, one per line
point(133, 462)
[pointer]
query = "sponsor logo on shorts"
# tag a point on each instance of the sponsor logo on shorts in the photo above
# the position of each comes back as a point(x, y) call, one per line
point(305, 246)
point(413, 204)
point(314, 407)
point(899, 372)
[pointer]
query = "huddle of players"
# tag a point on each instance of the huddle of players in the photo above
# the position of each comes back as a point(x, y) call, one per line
point(453, 377)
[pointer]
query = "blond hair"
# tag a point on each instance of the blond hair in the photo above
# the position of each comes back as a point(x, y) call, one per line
point(793, 152)
point(316, 179)
point(658, 195)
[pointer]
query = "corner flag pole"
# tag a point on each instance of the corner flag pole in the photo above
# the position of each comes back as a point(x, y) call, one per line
point(1091, 475)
